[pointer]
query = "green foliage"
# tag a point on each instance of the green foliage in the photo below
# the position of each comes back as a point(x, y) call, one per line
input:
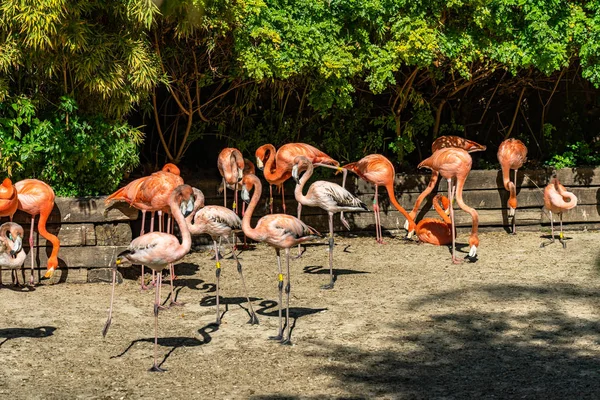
point(76, 154)
point(577, 154)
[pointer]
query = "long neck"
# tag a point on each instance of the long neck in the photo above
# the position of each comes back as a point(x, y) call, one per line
point(559, 199)
point(428, 189)
point(246, 228)
point(186, 237)
point(272, 173)
point(510, 186)
point(474, 239)
point(440, 211)
point(390, 190)
point(44, 214)
point(300, 197)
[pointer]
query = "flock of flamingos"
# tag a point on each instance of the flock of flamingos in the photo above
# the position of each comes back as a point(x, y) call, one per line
point(164, 192)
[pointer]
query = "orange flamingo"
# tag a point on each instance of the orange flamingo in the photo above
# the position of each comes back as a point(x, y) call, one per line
point(557, 200)
point(8, 203)
point(157, 250)
point(379, 171)
point(441, 143)
point(280, 231)
point(512, 154)
point(277, 165)
point(218, 222)
point(329, 196)
point(231, 167)
point(11, 245)
point(37, 198)
point(248, 169)
point(454, 163)
point(435, 231)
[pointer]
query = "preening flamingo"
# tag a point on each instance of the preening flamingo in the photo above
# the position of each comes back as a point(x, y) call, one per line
point(11, 244)
point(435, 231)
point(277, 165)
point(231, 167)
point(280, 231)
point(8, 203)
point(441, 143)
point(455, 163)
point(37, 198)
point(557, 200)
point(512, 154)
point(218, 222)
point(379, 171)
point(157, 250)
point(248, 169)
point(328, 196)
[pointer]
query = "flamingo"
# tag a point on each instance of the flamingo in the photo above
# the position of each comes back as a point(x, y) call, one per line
point(280, 231)
point(454, 163)
point(11, 245)
point(218, 222)
point(432, 230)
point(37, 198)
point(512, 154)
point(8, 203)
point(231, 167)
point(555, 200)
point(277, 165)
point(249, 168)
point(157, 250)
point(441, 143)
point(379, 171)
point(328, 196)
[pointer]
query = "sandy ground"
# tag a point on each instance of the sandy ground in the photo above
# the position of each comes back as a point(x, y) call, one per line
point(402, 322)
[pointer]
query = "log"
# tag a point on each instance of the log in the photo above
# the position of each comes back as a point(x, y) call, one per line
point(68, 234)
point(80, 257)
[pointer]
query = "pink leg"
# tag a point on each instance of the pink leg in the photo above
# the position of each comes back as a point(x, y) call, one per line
point(235, 201)
point(218, 275)
point(224, 193)
point(271, 198)
point(299, 214)
point(283, 198)
point(143, 286)
point(377, 216)
point(31, 249)
point(153, 282)
point(155, 367)
point(451, 199)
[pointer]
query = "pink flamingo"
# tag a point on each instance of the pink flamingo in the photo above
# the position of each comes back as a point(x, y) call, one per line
point(8, 203)
point(157, 250)
point(218, 222)
point(512, 154)
point(432, 230)
point(231, 167)
point(441, 143)
point(280, 231)
point(328, 196)
point(454, 163)
point(11, 245)
point(379, 171)
point(557, 200)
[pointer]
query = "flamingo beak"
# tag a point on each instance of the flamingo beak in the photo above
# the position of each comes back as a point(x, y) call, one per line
point(259, 164)
point(49, 273)
point(240, 174)
point(18, 245)
point(295, 174)
point(245, 195)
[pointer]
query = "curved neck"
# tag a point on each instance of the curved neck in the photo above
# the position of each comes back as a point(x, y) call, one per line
point(272, 173)
point(428, 189)
point(246, 228)
point(300, 197)
point(508, 185)
point(186, 237)
point(390, 190)
point(440, 211)
point(44, 214)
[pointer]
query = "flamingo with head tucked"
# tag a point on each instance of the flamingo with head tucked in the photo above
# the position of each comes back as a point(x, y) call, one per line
point(280, 231)
point(329, 196)
point(157, 250)
point(512, 154)
point(454, 163)
point(8, 203)
point(231, 167)
point(432, 230)
point(557, 200)
point(11, 244)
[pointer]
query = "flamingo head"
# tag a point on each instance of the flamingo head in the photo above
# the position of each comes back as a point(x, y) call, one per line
point(300, 164)
point(183, 196)
point(52, 266)
point(247, 183)
point(262, 155)
point(444, 201)
point(12, 234)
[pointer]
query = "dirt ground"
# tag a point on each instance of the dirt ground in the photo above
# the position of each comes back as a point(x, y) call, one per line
point(402, 322)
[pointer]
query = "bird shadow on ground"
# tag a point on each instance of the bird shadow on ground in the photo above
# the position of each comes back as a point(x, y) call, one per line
point(295, 312)
point(211, 301)
point(320, 270)
point(14, 333)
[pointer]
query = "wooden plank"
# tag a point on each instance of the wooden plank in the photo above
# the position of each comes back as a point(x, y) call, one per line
point(115, 234)
point(78, 257)
point(68, 234)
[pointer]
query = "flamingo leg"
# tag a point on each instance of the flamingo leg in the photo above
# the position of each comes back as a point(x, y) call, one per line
point(378, 232)
point(544, 244)
point(170, 229)
point(235, 201)
point(155, 367)
point(280, 288)
point(288, 289)
point(331, 245)
point(224, 193)
point(143, 286)
point(253, 318)
point(561, 236)
point(514, 218)
point(153, 282)
point(451, 198)
point(271, 198)
point(218, 275)
point(283, 198)
point(31, 249)
point(300, 251)
point(112, 298)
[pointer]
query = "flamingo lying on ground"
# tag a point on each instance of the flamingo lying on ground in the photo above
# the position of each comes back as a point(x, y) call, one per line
point(37, 198)
point(231, 167)
point(12, 255)
point(432, 230)
point(379, 171)
point(454, 163)
point(218, 222)
point(157, 250)
point(8, 203)
point(512, 154)
point(280, 231)
point(441, 143)
point(329, 196)
point(557, 200)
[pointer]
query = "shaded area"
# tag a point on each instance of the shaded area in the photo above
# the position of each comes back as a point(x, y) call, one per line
point(15, 333)
point(269, 308)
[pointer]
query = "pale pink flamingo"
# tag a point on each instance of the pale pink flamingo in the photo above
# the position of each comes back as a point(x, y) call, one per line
point(328, 196)
point(441, 143)
point(11, 244)
point(218, 222)
point(379, 171)
point(454, 163)
point(157, 250)
point(8, 203)
point(557, 200)
point(280, 231)
point(512, 154)
point(231, 167)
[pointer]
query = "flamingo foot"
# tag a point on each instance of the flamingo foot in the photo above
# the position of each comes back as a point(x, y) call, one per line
point(253, 319)
point(215, 258)
point(278, 337)
point(156, 368)
point(286, 342)
point(301, 251)
point(106, 326)
point(457, 261)
point(544, 244)
point(327, 286)
point(176, 303)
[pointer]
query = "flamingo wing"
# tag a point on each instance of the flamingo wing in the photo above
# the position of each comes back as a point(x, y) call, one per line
point(335, 198)
point(221, 218)
point(152, 249)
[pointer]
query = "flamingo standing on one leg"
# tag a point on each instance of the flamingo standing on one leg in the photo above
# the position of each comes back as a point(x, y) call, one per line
point(157, 250)
point(512, 154)
point(329, 196)
point(454, 163)
point(218, 222)
point(441, 143)
point(557, 200)
point(8, 203)
point(435, 231)
point(280, 231)
point(37, 198)
point(231, 167)
point(11, 245)
point(379, 171)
